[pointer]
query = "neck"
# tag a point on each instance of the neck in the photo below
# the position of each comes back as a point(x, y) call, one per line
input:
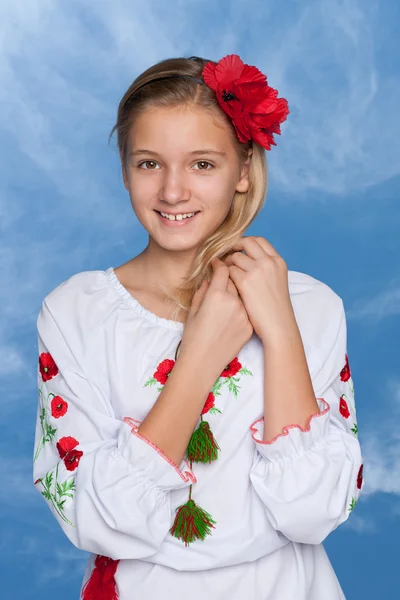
point(163, 271)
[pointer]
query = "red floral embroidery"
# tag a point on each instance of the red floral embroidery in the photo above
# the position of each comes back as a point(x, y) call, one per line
point(360, 477)
point(343, 408)
point(65, 445)
point(163, 370)
point(48, 369)
point(58, 407)
point(231, 369)
point(72, 459)
point(209, 403)
point(47, 366)
point(345, 373)
point(66, 449)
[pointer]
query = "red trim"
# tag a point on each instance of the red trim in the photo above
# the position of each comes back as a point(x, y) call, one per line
point(285, 430)
point(186, 475)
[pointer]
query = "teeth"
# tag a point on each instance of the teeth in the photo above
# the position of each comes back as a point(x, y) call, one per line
point(177, 217)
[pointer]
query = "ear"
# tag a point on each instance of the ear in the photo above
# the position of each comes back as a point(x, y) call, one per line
point(243, 182)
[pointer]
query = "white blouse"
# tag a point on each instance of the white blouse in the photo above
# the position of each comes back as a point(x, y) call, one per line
point(103, 360)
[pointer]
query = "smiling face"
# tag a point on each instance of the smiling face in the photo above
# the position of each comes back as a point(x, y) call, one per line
point(167, 169)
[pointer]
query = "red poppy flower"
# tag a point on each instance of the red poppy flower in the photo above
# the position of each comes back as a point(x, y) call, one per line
point(360, 477)
point(209, 403)
point(343, 408)
point(65, 445)
point(47, 366)
point(163, 370)
point(58, 407)
point(231, 369)
point(72, 459)
point(244, 94)
point(345, 373)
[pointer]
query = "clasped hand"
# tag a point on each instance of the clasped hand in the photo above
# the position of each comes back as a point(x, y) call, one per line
point(261, 278)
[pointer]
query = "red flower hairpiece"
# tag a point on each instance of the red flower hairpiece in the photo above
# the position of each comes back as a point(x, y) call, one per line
point(244, 94)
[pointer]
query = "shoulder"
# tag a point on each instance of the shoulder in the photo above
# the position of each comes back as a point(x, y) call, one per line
point(83, 301)
point(319, 313)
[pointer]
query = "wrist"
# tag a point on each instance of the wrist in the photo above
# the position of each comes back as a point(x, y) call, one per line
point(199, 368)
point(284, 335)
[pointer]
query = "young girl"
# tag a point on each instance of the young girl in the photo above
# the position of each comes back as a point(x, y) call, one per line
point(210, 455)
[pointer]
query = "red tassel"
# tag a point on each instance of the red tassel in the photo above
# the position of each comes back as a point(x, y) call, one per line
point(101, 585)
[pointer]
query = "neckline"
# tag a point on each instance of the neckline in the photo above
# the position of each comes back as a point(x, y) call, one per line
point(140, 310)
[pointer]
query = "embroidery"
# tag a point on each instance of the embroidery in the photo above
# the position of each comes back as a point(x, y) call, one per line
point(58, 493)
point(285, 430)
point(360, 481)
point(58, 406)
point(191, 521)
point(134, 424)
point(55, 491)
point(345, 376)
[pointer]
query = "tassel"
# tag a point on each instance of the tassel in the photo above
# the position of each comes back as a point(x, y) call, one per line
point(202, 445)
point(191, 523)
point(101, 585)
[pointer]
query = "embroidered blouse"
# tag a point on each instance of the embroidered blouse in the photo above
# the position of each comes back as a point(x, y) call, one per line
point(102, 361)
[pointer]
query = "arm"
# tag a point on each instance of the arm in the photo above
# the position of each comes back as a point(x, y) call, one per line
point(172, 419)
point(288, 391)
point(106, 485)
point(310, 477)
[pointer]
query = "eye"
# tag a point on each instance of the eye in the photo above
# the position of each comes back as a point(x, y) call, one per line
point(147, 161)
point(204, 162)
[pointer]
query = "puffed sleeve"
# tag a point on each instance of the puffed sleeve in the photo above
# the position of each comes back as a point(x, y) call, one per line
point(107, 486)
point(310, 480)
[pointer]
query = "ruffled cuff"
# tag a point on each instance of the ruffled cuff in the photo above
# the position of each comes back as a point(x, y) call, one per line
point(146, 456)
point(293, 440)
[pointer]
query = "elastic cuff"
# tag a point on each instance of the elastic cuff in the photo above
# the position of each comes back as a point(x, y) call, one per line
point(160, 469)
point(294, 439)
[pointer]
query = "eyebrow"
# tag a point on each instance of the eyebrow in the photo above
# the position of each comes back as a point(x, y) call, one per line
point(194, 152)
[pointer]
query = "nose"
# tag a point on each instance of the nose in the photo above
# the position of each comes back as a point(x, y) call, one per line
point(174, 186)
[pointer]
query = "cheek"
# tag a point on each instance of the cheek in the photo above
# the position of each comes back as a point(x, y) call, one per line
point(216, 191)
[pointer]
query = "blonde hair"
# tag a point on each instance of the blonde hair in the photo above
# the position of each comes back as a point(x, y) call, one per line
point(143, 94)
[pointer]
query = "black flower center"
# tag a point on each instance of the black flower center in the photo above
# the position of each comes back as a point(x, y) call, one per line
point(226, 96)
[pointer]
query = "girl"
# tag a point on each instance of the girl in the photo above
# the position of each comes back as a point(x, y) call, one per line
point(210, 455)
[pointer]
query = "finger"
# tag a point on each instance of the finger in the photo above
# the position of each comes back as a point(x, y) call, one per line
point(255, 246)
point(240, 260)
point(231, 288)
point(220, 276)
point(199, 295)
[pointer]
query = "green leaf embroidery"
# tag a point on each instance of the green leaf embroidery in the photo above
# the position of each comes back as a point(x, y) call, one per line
point(58, 496)
point(48, 432)
point(353, 504)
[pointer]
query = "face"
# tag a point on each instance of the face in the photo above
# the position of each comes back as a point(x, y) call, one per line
point(169, 168)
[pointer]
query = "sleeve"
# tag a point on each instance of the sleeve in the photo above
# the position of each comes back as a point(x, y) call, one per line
point(310, 480)
point(107, 486)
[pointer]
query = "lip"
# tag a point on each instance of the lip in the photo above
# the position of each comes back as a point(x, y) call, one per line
point(181, 223)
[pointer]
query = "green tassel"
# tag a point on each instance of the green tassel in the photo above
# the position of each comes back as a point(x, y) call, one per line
point(191, 523)
point(202, 445)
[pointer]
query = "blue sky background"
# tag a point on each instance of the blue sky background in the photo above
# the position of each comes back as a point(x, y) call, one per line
point(332, 211)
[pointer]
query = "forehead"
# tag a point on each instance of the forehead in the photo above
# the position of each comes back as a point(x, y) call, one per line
point(179, 129)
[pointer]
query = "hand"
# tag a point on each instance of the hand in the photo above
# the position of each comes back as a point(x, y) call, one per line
point(217, 325)
point(261, 278)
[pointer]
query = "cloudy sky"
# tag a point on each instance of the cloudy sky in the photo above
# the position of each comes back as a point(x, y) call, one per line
point(332, 211)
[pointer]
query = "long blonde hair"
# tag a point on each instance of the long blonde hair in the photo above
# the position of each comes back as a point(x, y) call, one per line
point(184, 91)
